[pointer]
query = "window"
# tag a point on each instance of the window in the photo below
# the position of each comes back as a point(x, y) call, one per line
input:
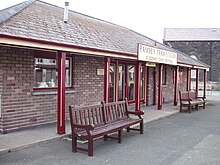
point(142, 83)
point(164, 75)
point(46, 72)
point(131, 88)
point(180, 80)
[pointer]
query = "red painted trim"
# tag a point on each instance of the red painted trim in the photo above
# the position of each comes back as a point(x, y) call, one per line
point(176, 86)
point(204, 88)
point(189, 79)
point(66, 45)
point(143, 99)
point(137, 86)
point(116, 81)
point(159, 106)
point(126, 81)
point(155, 86)
point(106, 79)
point(61, 93)
point(197, 81)
point(147, 85)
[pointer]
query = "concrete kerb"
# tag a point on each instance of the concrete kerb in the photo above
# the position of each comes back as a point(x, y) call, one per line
point(8, 150)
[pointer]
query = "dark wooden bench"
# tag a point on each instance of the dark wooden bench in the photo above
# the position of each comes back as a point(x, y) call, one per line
point(90, 122)
point(189, 99)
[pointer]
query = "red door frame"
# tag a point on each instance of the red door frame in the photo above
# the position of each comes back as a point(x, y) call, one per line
point(137, 86)
point(137, 66)
point(106, 79)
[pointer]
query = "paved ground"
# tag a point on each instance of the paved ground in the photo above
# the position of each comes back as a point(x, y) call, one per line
point(34, 136)
point(182, 138)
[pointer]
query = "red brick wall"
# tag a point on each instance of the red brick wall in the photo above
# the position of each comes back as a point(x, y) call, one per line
point(151, 85)
point(88, 85)
point(17, 103)
point(168, 88)
point(22, 107)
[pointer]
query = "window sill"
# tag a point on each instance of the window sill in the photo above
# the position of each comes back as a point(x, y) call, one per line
point(50, 92)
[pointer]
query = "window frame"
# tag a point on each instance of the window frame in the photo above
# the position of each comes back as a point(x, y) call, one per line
point(56, 68)
point(164, 75)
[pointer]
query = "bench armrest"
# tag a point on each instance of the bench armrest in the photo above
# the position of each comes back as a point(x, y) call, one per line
point(186, 99)
point(136, 112)
point(200, 97)
point(86, 127)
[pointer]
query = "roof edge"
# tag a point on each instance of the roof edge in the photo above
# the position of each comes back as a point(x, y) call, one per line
point(67, 45)
point(11, 11)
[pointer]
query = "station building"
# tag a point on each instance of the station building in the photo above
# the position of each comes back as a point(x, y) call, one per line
point(48, 63)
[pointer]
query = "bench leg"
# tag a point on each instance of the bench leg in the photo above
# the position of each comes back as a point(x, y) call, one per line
point(142, 127)
point(105, 137)
point(190, 108)
point(74, 143)
point(204, 105)
point(197, 107)
point(128, 129)
point(119, 136)
point(180, 108)
point(90, 147)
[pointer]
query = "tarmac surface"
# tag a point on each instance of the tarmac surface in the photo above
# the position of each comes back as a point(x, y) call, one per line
point(46, 133)
point(182, 138)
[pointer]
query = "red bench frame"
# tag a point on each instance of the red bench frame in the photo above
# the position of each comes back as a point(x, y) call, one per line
point(90, 122)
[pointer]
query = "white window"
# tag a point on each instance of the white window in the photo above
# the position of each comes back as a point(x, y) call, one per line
point(46, 72)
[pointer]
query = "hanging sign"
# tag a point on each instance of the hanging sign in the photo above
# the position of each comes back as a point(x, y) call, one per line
point(152, 54)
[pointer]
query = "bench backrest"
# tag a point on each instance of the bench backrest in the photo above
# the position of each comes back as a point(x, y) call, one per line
point(99, 114)
point(192, 95)
point(87, 115)
point(183, 95)
point(115, 111)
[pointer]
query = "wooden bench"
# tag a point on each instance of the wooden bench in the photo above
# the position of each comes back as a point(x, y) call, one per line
point(90, 122)
point(189, 99)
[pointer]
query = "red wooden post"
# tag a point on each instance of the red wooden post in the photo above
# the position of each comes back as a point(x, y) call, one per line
point(137, 86)
point(204, 91)
point(61, 93)
point(188, 79)
point(197, 81)
point(159, 106)
point(176, 85)
point(155, 86)
point(145, 84)
point(148, 85)
point(116, 80)
point(106, 79)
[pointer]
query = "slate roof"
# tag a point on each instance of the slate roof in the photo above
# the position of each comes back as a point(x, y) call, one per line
point(39, 20)
point(192, 34)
